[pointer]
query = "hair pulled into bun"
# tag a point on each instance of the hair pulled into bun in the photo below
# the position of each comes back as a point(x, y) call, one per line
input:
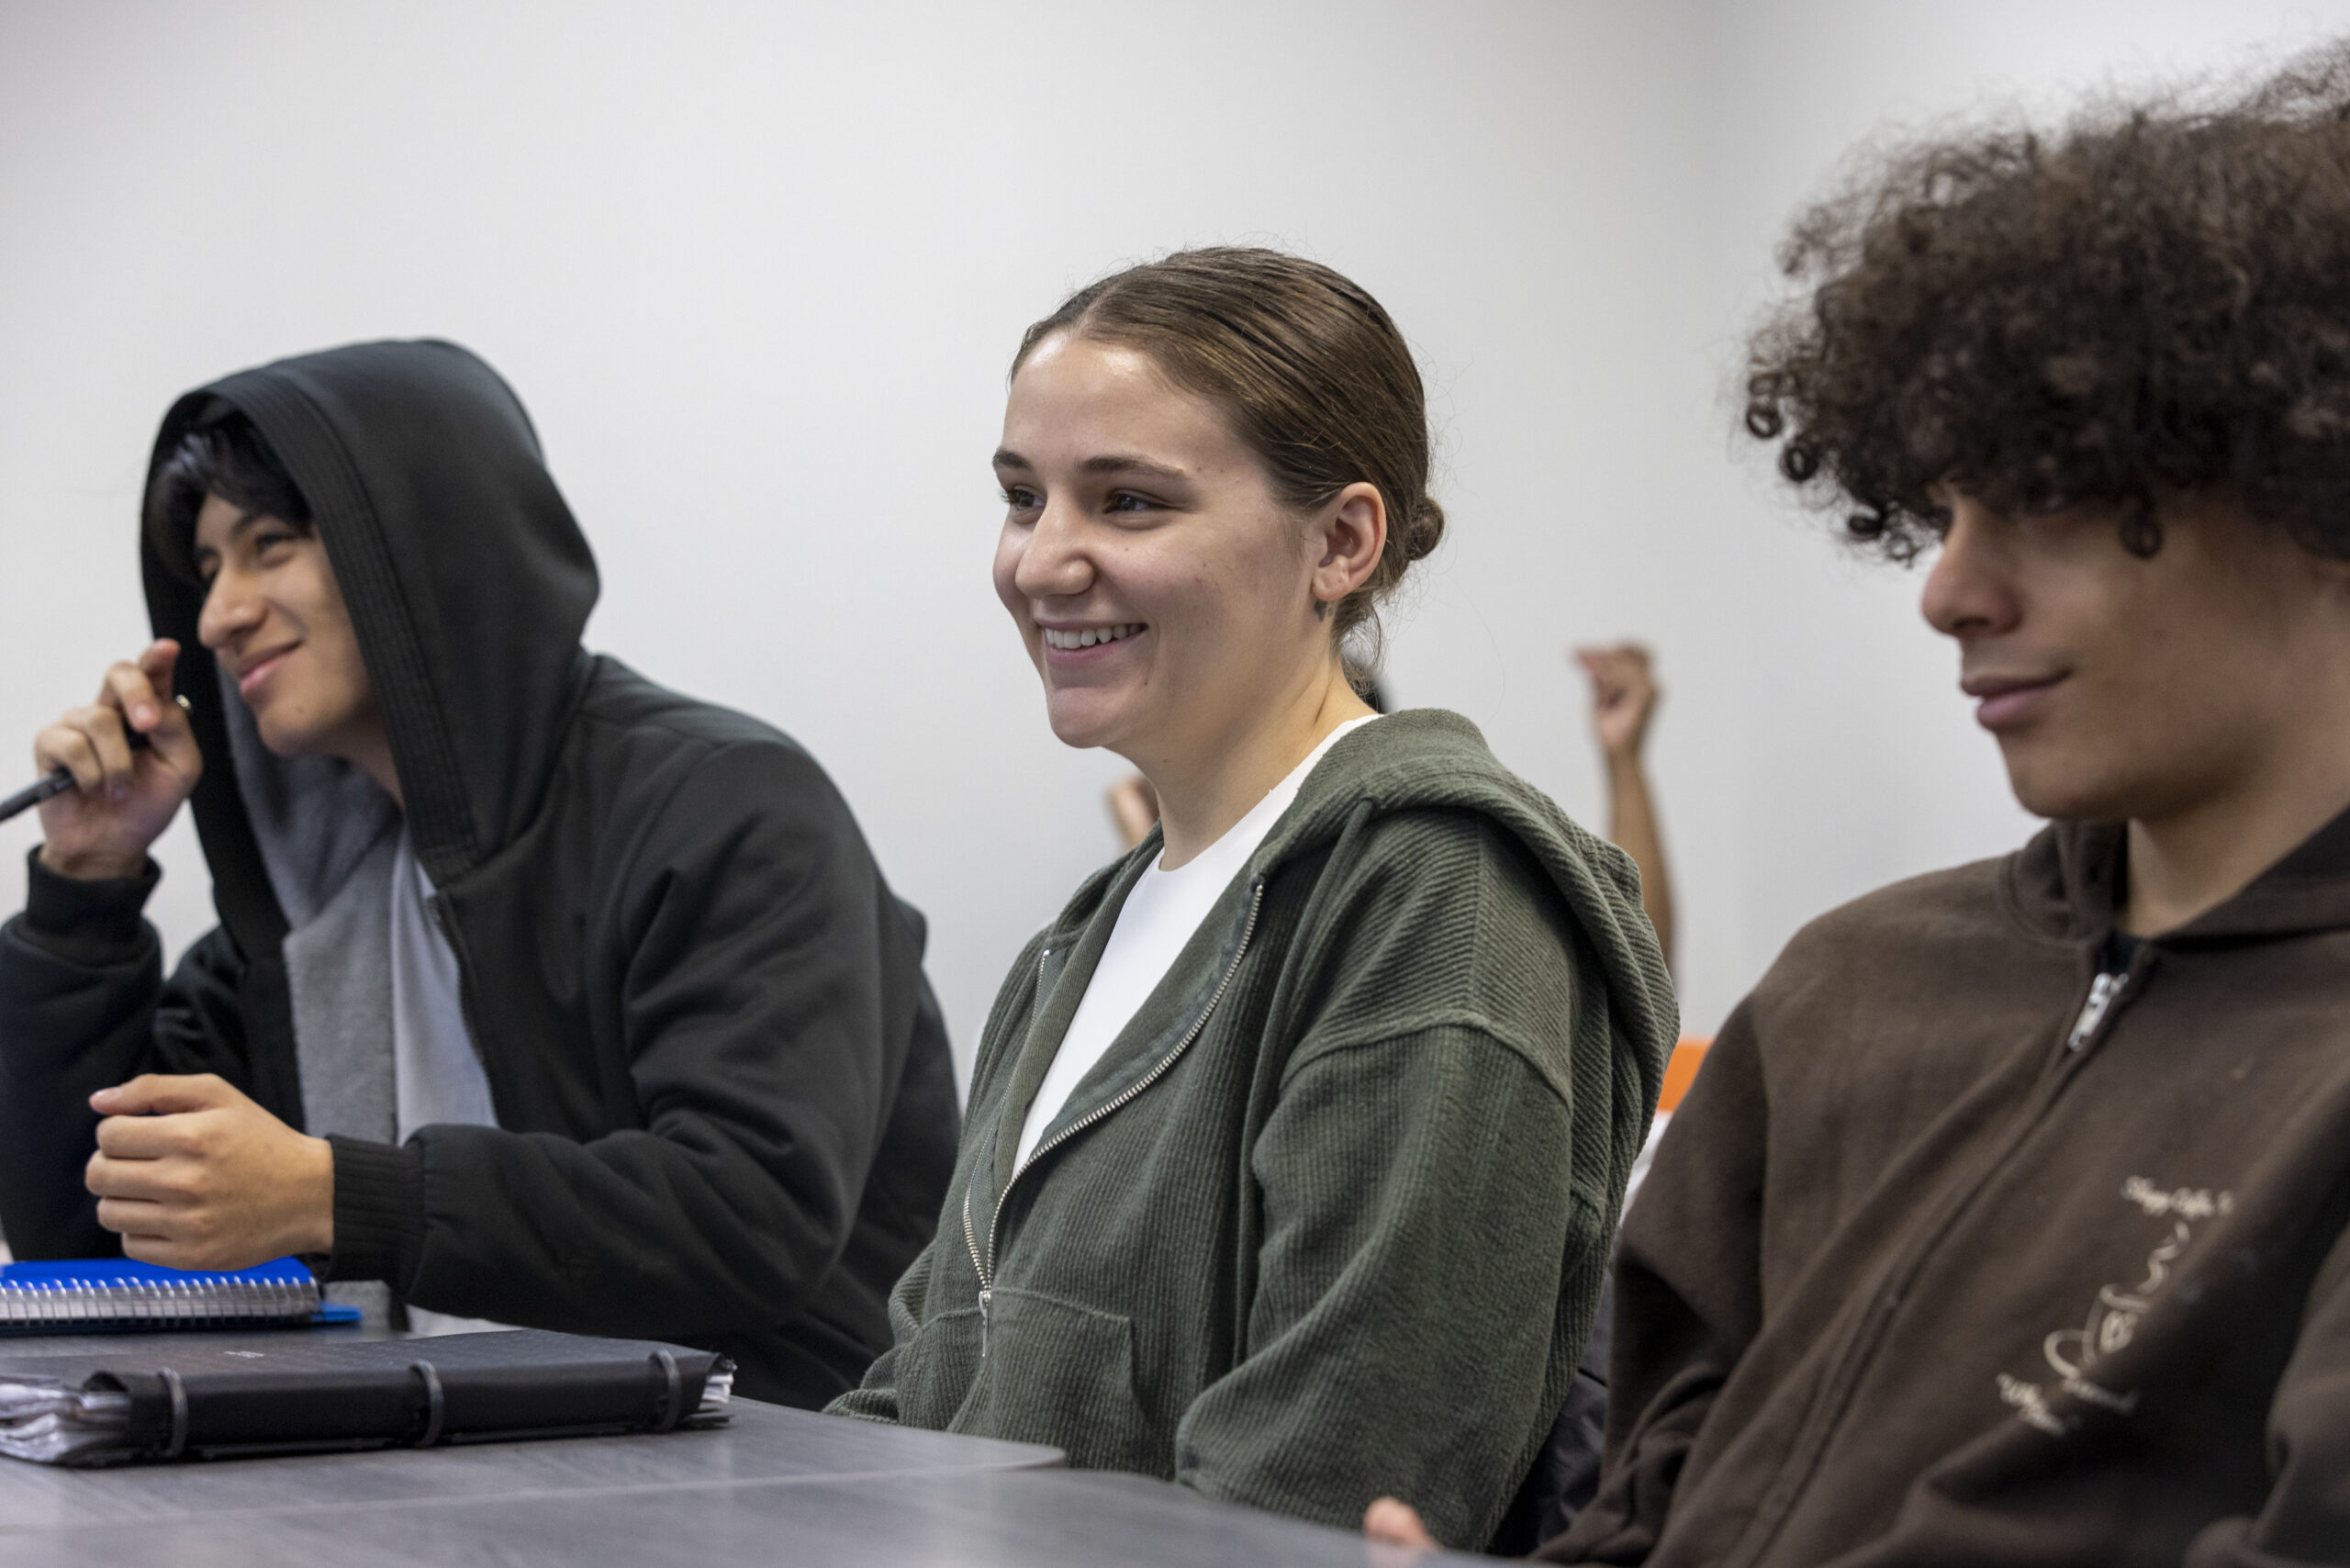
point(1314, 375)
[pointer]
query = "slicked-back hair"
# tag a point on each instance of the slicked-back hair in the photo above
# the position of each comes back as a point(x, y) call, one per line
point(1312, 375)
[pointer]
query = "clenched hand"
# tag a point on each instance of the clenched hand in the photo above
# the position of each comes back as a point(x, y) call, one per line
point(194, 1175)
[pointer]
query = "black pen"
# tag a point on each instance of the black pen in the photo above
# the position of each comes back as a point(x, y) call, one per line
point(59, 781)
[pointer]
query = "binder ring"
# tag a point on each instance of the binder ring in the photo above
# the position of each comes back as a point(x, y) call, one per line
point(673, 1393)
point(433, 1408)
point(178, 1391)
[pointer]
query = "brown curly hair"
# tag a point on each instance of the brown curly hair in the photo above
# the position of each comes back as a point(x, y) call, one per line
point(2155, 299)
point(1312, 372)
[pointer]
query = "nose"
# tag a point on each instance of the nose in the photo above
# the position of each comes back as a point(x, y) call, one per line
point(1054, 562)
point(231, 611)
point(1971, 590)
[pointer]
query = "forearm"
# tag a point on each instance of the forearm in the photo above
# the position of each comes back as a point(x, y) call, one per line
point(1632, 826)
point(636, 1232)
point(79, 979)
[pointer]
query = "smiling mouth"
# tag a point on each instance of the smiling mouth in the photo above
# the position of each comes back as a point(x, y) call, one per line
point(2000, 704)
point(1090, 636)
point(253, 674)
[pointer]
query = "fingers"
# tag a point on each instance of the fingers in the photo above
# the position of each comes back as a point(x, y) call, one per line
point(1623, 670)
point(128, 688)
point(136, 1217)
point(91, 744)
point(223, 1187)
point(156, 1093)
point(170, 732)
point(162, 656)
point(174, 1236)
point(154, 1137)
point(1396, 1522)
point(1609, 680)
point(62, 745)
point(1606, 667)
point(156, 1181)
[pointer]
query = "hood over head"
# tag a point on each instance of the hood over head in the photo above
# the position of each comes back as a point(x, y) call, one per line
point(468, 584)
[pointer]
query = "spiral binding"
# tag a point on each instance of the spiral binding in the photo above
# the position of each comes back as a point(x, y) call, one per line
point(193, 1302)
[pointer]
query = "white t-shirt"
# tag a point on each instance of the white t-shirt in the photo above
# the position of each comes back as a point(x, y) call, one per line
point(1157, 919)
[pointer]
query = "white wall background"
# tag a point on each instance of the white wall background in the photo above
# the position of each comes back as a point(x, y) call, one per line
point(757, 271)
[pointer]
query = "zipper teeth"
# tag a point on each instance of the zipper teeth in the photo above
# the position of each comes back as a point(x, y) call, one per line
point(1256, 898)
point(1860, 1346)
point(970, 1240)
point(2103, 993)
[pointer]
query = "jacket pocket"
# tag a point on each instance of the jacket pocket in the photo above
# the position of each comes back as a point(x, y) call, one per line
point(1061, 1373)
point(937, 1367)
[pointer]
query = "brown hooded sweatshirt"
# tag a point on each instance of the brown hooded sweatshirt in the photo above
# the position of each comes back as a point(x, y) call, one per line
point(1952, 1258)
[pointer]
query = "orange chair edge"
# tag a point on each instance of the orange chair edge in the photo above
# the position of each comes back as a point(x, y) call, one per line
point(1682, 1070)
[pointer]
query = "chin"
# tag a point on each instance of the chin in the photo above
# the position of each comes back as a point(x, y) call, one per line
point(2062, 794)
point(282, 743)
point(1080, 719)
point(285, 738)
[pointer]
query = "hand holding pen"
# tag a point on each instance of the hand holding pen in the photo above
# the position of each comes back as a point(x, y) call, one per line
point(123, 793)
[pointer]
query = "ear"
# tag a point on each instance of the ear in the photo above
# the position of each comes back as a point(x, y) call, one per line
point(1348, 537)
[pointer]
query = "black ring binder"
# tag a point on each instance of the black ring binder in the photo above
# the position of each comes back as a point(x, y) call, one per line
point(432, 1404)
point(178, 1391)
point(293, 1393)
point(673, 1397)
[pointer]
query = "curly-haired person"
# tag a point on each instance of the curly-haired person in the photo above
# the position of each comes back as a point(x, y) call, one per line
point(2006, 1223)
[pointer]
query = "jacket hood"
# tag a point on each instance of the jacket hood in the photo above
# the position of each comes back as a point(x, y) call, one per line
point(1431, 758)
point(468, 584)
point(2070, 881)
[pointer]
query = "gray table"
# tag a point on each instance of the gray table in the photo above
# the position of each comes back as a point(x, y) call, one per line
point(1027, 1518)
point(764, 1443)
point(775, 1487)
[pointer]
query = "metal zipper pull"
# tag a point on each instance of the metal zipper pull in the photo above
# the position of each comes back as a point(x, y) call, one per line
point(984, 1293)
point(2102, 991)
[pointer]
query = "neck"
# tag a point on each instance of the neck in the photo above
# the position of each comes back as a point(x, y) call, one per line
point(370, 751)
point(1208, 785)
point(2191, 860)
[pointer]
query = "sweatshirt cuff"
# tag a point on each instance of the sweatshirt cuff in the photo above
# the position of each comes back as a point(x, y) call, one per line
point(378, 1211)
point(86, 922)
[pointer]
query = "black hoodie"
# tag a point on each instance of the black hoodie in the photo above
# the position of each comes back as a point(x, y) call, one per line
point(726, 1112)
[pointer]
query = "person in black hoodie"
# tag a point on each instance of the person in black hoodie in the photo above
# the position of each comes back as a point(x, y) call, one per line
point(540, 994)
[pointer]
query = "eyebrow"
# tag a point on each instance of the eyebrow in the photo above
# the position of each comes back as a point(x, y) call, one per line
point(1110, 463)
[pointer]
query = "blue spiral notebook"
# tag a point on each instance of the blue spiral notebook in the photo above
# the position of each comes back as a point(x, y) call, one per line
point(98, 1295)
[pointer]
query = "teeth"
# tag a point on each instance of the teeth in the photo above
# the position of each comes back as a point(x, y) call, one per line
point(1090, 635)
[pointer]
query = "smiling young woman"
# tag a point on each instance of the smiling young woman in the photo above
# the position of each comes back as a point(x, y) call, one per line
point(1295, 1142)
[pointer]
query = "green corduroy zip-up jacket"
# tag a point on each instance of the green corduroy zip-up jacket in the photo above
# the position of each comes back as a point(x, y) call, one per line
point(1329, 1218)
